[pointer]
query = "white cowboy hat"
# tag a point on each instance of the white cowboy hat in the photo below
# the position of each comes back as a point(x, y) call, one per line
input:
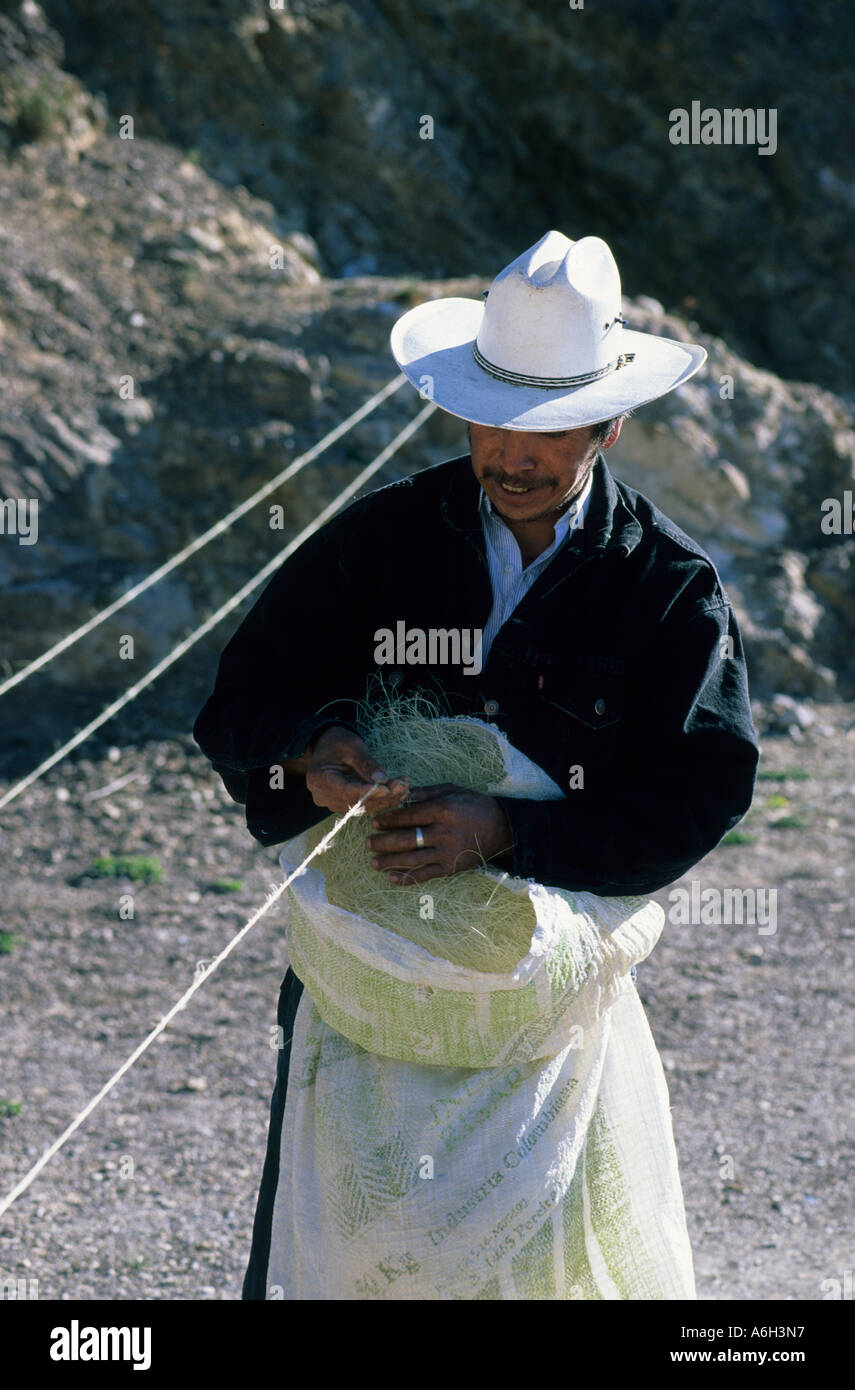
point(547, 351)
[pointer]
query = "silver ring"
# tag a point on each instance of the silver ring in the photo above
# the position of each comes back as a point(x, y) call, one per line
point(420, 839)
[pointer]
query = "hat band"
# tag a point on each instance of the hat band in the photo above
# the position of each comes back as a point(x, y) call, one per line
point(520, 379)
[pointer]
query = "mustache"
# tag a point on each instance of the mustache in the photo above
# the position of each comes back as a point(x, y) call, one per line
point(517, 482)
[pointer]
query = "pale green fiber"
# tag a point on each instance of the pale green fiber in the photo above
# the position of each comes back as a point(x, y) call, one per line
point(469, 918)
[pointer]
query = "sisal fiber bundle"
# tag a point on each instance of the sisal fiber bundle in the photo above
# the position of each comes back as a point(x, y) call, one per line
point(478, 918)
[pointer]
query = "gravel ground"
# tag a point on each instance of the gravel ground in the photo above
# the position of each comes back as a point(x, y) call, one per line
point(154, 1196)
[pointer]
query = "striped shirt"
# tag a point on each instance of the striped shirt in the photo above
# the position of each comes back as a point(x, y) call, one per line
point(509, 579)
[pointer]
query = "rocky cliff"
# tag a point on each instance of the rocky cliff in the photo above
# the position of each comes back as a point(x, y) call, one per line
point(540, 114)
point(211, 216)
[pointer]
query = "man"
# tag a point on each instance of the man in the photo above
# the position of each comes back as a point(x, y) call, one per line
point(608, 652)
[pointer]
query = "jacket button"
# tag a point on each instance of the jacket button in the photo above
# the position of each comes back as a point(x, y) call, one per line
point(600, 707)
point(491, 708)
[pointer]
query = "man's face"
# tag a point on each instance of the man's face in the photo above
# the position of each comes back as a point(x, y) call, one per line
point(531, 476)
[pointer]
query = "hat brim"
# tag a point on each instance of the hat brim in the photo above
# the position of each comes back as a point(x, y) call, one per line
point(432, 345)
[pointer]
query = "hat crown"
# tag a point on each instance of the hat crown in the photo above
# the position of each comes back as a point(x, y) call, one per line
point(554, 311)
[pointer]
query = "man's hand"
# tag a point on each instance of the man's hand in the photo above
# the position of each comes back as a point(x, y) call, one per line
point(341, 770)
point(460, 829)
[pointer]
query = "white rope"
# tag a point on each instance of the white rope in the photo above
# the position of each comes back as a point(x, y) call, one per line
point(217, 530)
point(236, 599)
point(200, 979)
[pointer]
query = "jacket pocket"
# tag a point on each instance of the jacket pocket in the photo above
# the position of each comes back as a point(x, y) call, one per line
point(591, 690)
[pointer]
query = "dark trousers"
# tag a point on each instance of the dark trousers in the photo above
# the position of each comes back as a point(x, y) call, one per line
point(255, 1279)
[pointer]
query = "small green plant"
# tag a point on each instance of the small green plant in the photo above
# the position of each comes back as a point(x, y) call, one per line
point(789, 823)
point(139, 868)
point(739, 837)
point(225, 885)
point(8, 942)
point(792, 774)
point(191, 283)
point(8, 1108)
point(777, 803)
point(411, 293)
point(40, 108)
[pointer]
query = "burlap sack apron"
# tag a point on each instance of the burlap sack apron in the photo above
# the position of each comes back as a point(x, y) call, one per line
point(451, 1134)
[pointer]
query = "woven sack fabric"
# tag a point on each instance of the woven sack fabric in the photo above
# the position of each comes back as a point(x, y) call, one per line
point(452, 1134)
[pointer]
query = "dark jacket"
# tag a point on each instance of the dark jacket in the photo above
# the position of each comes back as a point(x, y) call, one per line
point(624, 660)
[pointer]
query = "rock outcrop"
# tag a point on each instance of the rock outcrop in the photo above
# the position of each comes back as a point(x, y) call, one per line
point(442, 137)
point(171, 334)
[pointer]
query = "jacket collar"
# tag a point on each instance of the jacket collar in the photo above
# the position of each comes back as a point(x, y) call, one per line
point(609, 522)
